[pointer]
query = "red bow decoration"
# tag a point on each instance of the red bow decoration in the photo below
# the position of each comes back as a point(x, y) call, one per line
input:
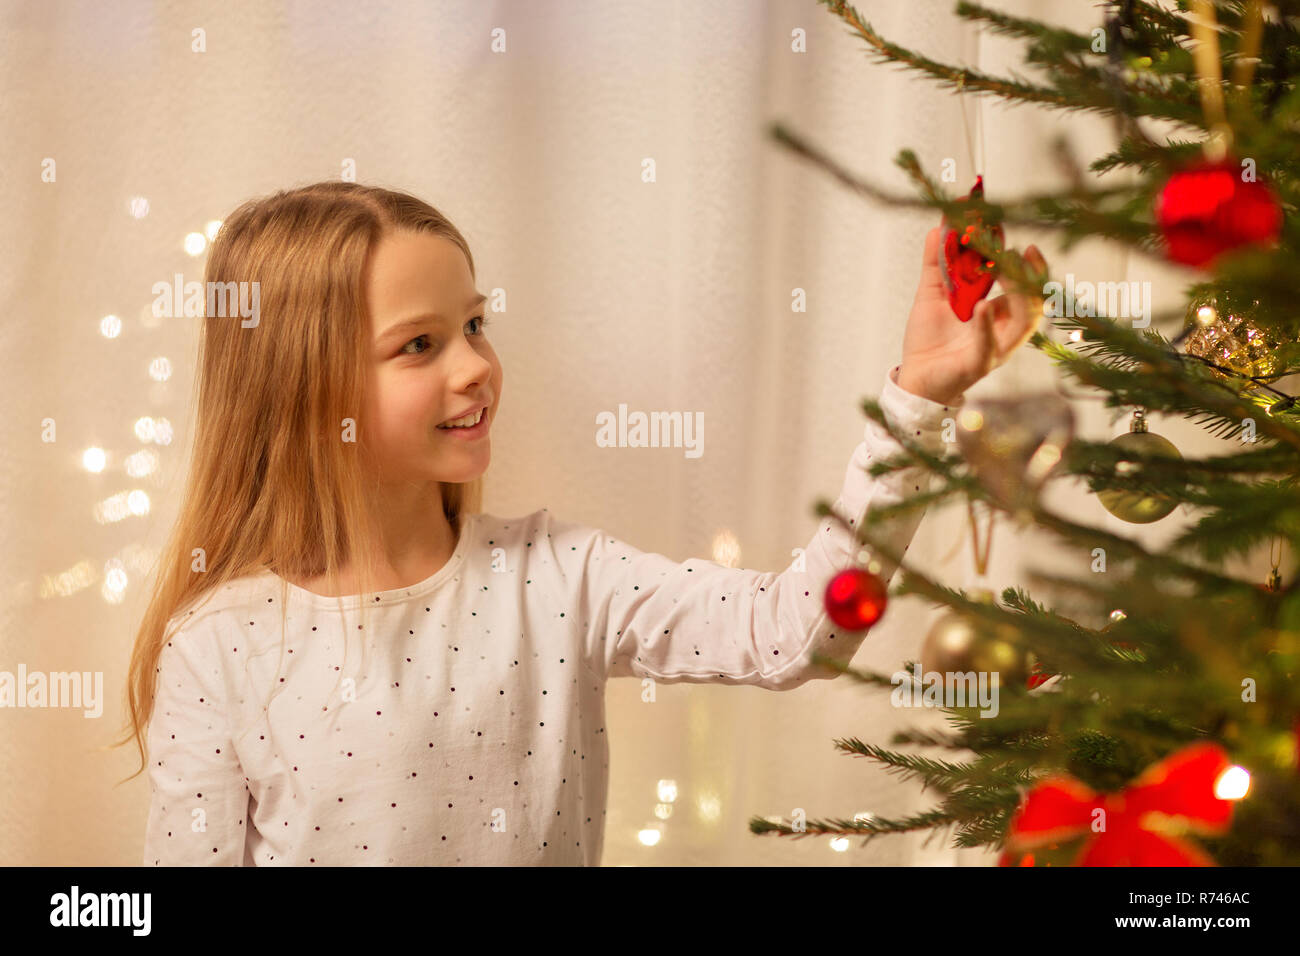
point(1143, 823)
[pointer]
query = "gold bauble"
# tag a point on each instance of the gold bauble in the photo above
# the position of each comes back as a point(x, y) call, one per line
point(1131, 505)
point(957, 644)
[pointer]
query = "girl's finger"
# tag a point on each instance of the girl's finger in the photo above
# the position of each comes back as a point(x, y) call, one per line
point(1035, 258)
point(984, 317)
point(1013, 321)
point(930, 274)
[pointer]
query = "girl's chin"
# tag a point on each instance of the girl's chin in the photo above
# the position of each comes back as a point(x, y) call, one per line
point(461, 475)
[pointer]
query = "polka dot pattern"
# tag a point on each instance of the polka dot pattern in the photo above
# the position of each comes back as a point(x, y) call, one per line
point(465, 723)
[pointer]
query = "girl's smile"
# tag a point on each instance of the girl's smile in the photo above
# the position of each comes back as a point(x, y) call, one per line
point(471, 432)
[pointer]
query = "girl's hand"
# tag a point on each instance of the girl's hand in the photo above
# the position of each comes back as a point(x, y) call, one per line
point(943, 356)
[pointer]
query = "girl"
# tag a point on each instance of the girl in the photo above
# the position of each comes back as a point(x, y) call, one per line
point(344, 661)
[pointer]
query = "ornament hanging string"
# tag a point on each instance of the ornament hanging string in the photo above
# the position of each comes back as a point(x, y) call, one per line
point(1209, 73)
point(1243, 70)
point(979, 121)
point(1274, 581)
point(1209, 68)
point(981, 555)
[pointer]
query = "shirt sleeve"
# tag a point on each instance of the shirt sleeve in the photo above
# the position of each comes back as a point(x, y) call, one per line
point(698, 621)
point(199, 804)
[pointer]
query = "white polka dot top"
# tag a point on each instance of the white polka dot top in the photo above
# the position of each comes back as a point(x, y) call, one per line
point(472, 730)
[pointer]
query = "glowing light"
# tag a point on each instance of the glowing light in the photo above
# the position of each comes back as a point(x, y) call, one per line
point(839, 844)
point(122, 505)
point(1076, 335)
point(649, 836)
point(1233, 784)
point(1117, 615)
point(115, 581)
point(666, 790)
point(971, 420)
point(110, 326)
point(113, 509)
point(160, 369)
point(1206, 315)
point(156, 430)
point(709, 807)
point(1043, 461)
point(66, 583)
point(93, 459)
point(210, 230)
point(663, 810)
point(136, 557)
point(144, 462)
point(138, 206)
point(726, 549)
point(195, 243)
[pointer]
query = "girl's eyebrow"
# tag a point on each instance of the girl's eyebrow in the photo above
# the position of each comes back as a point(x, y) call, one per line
point(417, 321)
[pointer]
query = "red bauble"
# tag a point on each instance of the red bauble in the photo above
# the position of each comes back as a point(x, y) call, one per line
point(855, 599)
point(967, 275)
point(1207, 210)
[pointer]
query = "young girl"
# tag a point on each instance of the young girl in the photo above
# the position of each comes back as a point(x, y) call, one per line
point(344, 661)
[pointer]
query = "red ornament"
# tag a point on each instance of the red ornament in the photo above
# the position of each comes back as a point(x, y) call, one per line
point(1143, 823)
point(1207, 210)
point(855, 599)
point(1038, 675)
point(967, 275)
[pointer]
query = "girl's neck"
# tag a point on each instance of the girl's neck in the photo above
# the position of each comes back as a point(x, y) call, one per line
point(393, 571)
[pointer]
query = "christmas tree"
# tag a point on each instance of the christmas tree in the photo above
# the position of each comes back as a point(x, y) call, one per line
point(1147, 709)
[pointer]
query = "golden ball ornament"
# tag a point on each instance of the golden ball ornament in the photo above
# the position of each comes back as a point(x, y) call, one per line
point(958, 644)
point(1133, 506)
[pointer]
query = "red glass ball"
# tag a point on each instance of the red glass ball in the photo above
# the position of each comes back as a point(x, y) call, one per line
point(1206, 210)
point(855, 599)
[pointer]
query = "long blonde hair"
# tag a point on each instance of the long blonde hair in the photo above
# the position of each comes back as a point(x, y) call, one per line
point(270, 485)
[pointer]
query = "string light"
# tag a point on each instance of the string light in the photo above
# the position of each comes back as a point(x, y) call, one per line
point(93, 460)
point(1232, 784)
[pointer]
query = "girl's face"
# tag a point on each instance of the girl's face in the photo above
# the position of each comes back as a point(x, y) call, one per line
point(430, 362)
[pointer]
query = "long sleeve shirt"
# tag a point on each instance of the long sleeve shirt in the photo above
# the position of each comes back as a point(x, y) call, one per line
point(464, 722)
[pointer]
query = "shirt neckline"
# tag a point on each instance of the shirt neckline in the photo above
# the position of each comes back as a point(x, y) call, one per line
point(395, 595)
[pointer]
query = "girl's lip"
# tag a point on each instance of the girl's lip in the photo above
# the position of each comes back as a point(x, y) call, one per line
point(469, 434)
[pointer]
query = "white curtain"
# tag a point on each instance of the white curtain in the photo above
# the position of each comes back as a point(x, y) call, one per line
point(666, 295)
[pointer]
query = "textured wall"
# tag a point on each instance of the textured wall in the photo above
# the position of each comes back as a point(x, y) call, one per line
point(666, 295)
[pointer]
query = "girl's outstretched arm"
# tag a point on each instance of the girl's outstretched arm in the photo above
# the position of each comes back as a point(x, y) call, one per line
point(647, 615)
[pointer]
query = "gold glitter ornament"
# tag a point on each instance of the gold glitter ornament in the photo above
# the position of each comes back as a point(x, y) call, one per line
point(1232, 340)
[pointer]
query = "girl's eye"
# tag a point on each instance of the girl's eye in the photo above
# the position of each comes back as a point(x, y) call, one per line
point(418, 338)
point(482, 321)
